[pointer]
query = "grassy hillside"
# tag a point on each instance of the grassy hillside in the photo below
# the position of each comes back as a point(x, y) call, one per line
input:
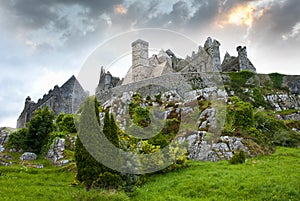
point(274, 177)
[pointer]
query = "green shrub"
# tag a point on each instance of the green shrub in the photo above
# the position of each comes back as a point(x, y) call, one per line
point(239, 157)
point(240, 78)
point(275, 131)
point(256, 134)
point(109, 180)
point(141, 116)
point(65, 122)
point(239, 114)
point(88, 168)
point(158, 97)
point(259, 99)
point(39, 128)
point(276, 79)
point(16, 139)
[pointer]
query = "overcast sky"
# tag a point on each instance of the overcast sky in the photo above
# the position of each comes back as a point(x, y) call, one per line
point(43, 43)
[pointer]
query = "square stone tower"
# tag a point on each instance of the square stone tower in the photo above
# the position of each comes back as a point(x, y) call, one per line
point(140, 60)
point(140, 53)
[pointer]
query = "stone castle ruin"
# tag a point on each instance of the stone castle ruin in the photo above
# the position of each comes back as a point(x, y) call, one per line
point(239, 63)
point(155, 69)
point(66, 99)
point(158, 68)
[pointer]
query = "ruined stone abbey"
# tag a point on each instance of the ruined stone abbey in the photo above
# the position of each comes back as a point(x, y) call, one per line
point(149, 71)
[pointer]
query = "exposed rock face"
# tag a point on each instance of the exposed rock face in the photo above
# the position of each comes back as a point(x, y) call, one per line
point(284, 101)
point(201, 149)
point(4, 134)
point(294, 116)
point(56, 152)
point(28, 156)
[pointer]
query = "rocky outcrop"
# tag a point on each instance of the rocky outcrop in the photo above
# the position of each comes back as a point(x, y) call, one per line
point(4, 134)
point(28, 156)
point(201, 149)
point(283, 101)
point(56, 152)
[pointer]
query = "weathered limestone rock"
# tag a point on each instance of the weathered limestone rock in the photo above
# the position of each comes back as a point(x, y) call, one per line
point(28, 156)
point(294, 116)
point(284, 101)
point(56, 151)
point(207, 118)
point(3, 138)
point(2, 148)
point(201, 149)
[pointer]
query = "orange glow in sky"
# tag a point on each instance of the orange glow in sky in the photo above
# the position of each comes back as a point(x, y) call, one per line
point(120, 9)
point(241, 15)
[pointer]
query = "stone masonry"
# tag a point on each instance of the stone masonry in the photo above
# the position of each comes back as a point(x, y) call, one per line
point(66, 99)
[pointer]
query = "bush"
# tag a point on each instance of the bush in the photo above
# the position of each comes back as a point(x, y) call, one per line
point(141, 116)
point(39, 128)
point(16, 139)
point(276, 79)
point(259, 99)
point(89, 171)
point(109, 180)
point(239, 157)
point(65, 122)
point(239, 114)
point(240, 78)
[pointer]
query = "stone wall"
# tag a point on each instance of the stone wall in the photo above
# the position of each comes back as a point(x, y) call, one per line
point(66, 99)
point(179, 82)
point(239, 63)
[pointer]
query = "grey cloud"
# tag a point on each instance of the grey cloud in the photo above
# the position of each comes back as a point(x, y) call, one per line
point(36, 13)
point(206, 12)
point(276, 21)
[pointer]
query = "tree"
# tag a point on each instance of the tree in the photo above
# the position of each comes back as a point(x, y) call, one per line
point(88, 168)
point(39, 128)
point(90, 171)
point(110, 128)
point(16, 139)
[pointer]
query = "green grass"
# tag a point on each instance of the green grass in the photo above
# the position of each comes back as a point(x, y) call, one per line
point(275, 177)
point(20, 183)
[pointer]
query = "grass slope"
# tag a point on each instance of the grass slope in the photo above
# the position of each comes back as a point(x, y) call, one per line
point(275, 177)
